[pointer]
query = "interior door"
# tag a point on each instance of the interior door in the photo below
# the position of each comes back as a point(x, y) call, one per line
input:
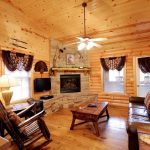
point(143, 81)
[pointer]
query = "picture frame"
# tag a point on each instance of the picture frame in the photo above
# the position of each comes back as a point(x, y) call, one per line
point(70, 59)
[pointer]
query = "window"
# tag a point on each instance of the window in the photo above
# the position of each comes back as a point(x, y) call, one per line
point(144, 77)
point(21, 91)
point(113, 81)
point(143, 82)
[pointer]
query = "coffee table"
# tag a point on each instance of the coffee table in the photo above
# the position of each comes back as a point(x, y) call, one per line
point(90, 112)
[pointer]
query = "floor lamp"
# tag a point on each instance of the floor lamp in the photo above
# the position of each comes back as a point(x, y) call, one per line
point(5, 83)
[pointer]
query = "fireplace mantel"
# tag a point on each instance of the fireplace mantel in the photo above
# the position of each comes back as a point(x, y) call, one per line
point(85, 70)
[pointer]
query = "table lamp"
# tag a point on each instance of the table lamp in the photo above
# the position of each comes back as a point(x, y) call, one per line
point(5, 83)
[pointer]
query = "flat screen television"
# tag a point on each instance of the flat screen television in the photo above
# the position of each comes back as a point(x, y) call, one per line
point(42, 84)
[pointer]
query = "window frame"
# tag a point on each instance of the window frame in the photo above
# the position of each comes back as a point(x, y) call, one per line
point(30, 87)
point(136, 73)
point(112, 93)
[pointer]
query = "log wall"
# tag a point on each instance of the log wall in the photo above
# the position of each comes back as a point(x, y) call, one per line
point(96, 80)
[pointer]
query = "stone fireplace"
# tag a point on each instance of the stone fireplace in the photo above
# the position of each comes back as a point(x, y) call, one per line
point(78, 72)
point(70, 83)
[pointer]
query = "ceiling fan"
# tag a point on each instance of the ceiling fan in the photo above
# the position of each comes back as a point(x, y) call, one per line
point(86, 42)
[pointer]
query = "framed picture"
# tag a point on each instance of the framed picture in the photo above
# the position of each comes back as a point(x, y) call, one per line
point(70, 59)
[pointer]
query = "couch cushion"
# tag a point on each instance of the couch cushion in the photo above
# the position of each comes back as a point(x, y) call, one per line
point(138, 111)
point(135, 119)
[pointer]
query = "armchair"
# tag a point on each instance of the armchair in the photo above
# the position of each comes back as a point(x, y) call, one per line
point(26, 113)
point(27, 131)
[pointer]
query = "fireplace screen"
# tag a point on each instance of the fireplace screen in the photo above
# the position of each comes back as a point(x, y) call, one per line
point(70, 83)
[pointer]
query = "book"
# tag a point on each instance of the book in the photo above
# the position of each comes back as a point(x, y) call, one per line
point(92, 105)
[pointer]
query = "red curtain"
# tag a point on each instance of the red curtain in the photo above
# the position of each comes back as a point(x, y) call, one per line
point(144, 64)
point(17, 61)
point(113, 63)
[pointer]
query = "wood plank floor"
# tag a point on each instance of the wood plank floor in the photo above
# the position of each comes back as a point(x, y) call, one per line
point(113, 134)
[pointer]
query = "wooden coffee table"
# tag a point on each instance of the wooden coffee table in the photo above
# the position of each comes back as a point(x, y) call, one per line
point(90, 112)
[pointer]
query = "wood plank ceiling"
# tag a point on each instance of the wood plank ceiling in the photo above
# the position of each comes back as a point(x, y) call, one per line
point(121, 21)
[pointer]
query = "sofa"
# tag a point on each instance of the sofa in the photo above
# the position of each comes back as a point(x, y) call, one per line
point(138, 121)
point(139, 110)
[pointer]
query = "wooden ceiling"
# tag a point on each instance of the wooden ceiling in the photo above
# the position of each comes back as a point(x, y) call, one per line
point(119, 20)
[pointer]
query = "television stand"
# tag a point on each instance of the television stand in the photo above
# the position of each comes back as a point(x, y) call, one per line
point(45, 97)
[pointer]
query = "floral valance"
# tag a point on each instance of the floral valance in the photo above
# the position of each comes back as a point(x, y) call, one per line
point(17, 61)
point(113, 63)
point(144, 64)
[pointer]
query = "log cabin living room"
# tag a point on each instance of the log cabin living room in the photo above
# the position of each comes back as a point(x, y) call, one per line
point(75, 74)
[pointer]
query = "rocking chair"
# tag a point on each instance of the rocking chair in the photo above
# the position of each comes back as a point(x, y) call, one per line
point(27, 131)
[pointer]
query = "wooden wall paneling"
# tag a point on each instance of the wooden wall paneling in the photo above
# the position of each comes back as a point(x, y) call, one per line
point(15, 24)
point(38, 75)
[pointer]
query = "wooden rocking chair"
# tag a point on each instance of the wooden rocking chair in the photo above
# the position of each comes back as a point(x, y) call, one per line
point(26, 132)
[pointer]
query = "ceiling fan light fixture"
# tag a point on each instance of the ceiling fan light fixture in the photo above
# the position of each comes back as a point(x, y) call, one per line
point(89, 45)
point(81, 46)
point(85, 42)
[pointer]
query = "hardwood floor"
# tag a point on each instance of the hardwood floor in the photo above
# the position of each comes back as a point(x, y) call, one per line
point(113, 134)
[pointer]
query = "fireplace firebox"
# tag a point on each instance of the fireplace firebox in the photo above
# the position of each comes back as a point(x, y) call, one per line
point(70, 83)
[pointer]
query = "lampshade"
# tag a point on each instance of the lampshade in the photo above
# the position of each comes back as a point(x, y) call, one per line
point(7, 82)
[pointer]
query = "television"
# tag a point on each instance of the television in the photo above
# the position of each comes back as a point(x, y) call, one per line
point(42, 84)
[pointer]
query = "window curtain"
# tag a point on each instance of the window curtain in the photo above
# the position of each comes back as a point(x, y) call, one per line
point(113, 63)
point(17, 61)
point(144, 64)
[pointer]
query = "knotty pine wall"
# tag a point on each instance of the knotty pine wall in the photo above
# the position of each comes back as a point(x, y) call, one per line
point(14, 24)
point(96, 79)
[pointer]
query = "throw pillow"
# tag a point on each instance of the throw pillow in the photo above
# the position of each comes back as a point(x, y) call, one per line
point(148, 107)
point(16, 120)
point(147, 98)
point(14, 117)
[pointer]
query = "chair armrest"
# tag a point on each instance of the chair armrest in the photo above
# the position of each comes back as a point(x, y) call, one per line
point(135, 99)
point(31, 119)
point(25, 112)
point(38, 105)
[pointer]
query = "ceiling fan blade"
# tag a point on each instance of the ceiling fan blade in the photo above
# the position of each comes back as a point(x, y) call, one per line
point(98, 39)
point(97, 45)
point(69, 44)
point(82, 39)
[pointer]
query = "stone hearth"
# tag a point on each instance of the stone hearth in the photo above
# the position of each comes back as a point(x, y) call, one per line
point(66, 101)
